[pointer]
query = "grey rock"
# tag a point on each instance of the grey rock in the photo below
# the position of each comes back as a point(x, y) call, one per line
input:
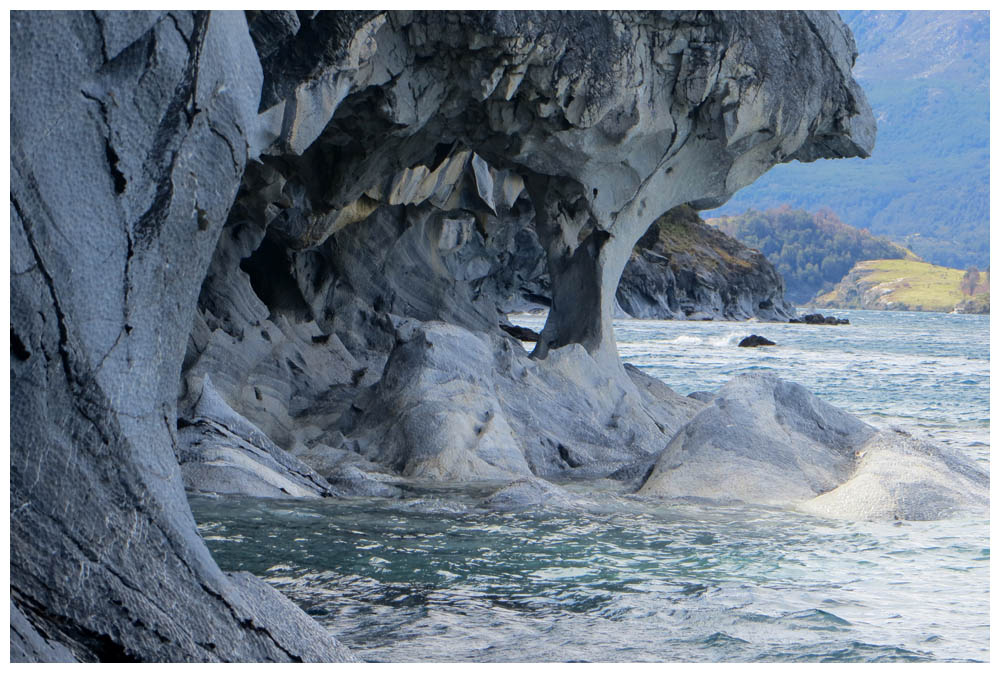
point(106, 560)
point(292, 630)
point(767, 441)
point(221, 452)
point(435, 413)
point(761, 441)
point(27, 644)
point(682, 268)
point(456, 405)
point(348, 480)
point(899, 477)
point(529, 492)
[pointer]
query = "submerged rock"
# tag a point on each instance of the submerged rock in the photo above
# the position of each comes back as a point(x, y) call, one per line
point(528, 493)
point(899, 477)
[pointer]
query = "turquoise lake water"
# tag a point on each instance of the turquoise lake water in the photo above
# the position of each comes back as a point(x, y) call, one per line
point(435, 577)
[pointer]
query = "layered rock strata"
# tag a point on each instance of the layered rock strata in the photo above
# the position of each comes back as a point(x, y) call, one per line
point(297, 234)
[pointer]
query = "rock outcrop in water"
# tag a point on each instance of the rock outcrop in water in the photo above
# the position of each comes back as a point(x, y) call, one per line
point(682, 268)
point(765, 441)
point(271, 252)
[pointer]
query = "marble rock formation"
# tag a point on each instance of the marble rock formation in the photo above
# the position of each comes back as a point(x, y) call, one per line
point(765, 441)
point(291, 203)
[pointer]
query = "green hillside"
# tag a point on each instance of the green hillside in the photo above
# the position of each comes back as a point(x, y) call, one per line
point(812, 251)
point(908, 285)
point(926, 186)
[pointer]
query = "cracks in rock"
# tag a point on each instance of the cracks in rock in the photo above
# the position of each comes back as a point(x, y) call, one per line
point(164, 149)
point(116, 175)
point(100, 32)
point(80, 388)
point(237, 169)
point(180, 31)
point(118, 179)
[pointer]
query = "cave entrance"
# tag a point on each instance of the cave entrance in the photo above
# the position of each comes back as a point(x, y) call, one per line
point(271, 278)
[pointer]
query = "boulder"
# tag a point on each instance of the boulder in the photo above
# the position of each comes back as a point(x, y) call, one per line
point(770, 442)
point(753, 341)
point(528, 492)
point(435, 413)
point(349, 480)
point(820, 319)
point(763, 441)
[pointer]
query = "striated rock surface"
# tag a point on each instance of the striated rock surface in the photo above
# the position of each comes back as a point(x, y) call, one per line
point(327, 214)
point(221, 452)
point(128, 144)
point(682, 268)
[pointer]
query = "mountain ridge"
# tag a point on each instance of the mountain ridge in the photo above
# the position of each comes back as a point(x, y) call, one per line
point(926, 185)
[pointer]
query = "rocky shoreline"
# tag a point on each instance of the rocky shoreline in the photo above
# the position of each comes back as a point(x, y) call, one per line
point(269, 253)
point(682, 268)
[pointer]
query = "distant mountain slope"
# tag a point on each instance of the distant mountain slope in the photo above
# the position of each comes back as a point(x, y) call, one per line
point(907, 285)
point(926, 185)
point(812, 251)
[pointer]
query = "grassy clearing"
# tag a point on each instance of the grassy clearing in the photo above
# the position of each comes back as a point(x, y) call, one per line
point(901, 284)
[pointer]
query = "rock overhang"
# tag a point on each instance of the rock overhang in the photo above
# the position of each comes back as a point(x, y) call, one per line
point(608, 119)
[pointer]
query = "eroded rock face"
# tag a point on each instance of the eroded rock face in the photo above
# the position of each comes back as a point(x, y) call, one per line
point(899, 477)
point(457, 406)
point(595, 136)
point(683, 268)
point(128, 144)
point(275, 203)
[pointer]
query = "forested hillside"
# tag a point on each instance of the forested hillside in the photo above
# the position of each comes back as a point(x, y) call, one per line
point(812, 251)
point(926, 185)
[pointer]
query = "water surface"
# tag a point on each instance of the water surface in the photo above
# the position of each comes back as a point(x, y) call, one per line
point(435, 577)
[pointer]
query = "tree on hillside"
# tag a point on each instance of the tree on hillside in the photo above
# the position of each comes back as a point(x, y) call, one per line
point(970, 280)
point(812, 251)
